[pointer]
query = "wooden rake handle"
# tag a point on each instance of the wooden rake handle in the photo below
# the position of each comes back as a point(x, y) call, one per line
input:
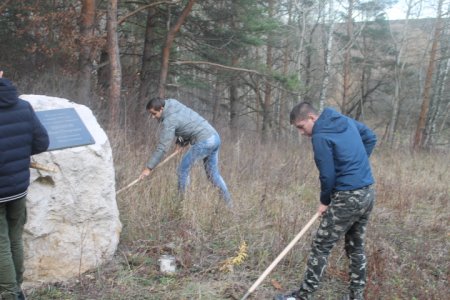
point(159, 165)
point(280, 256)
point(39, 166)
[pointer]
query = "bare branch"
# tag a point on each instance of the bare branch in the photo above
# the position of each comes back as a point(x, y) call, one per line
point(188, 62)
point(168, 44)
point(2, 7)
point(268, 77)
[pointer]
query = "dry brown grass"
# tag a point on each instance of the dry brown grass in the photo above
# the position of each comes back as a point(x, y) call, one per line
point(275, 188)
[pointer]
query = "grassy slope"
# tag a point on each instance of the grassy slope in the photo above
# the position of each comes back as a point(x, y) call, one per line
point(275, 190)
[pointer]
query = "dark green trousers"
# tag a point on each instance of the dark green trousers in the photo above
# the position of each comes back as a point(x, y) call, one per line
point(13, 216)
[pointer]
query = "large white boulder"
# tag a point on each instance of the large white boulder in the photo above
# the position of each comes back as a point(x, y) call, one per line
point(73, 220)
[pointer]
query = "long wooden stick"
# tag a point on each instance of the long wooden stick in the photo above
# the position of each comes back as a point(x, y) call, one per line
point(159, 165)
point(39, 166)
point(280, 256)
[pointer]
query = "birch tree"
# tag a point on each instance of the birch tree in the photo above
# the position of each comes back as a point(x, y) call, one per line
point(327, 55)
point(347, 58)
point(419, 136)
point(439, 100)
point(267, 108)
point(399, 69)
point(115, 69)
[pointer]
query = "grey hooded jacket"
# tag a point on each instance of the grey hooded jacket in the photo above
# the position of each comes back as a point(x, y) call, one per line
point(179, 121)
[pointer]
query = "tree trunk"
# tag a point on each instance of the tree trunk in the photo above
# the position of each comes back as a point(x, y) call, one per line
point(282, 112)
point(216, 98)
point(400, 64)
point(168, 44)
point(308, 61)
point(283, 98)
point(114, 64)
point(420, 130)
point(267, 109)
point(327, 60)
point(302, 34)
point(234, 81)
point(87, 51)
point(347, 58)
point(234, 100)
point(437, 101)
point(147, 76)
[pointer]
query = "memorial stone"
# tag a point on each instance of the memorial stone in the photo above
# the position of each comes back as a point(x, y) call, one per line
point(73, 221)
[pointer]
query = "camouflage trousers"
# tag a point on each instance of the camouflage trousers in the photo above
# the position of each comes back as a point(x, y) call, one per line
point(347, 214)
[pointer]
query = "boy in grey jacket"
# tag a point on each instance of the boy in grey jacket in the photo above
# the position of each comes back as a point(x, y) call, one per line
point(181, 122)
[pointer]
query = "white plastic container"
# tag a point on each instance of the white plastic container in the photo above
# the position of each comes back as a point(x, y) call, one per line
point(167, 264)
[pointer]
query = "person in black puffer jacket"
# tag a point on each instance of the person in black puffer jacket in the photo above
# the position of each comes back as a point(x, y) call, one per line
point(21, 135)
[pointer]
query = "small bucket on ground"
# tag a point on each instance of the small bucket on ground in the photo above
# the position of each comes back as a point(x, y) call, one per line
point(167, 263)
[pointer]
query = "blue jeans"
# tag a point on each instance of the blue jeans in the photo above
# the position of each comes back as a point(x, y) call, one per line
point(208, 151)
point(13, 216)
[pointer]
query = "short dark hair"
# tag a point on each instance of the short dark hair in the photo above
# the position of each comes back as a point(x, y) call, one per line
point(301, 111)
point(155, 103)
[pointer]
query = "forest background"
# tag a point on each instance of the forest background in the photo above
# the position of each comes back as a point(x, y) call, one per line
point(243, 64)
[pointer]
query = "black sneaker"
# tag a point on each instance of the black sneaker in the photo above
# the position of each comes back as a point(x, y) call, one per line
point(286, 297)
point(354, 295)
point(21, 296)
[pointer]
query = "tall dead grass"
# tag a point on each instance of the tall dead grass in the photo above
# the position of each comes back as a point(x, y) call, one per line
point(275, 188)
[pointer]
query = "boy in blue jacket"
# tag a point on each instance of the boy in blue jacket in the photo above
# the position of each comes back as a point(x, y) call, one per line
point(342, 147)
point(21, 135)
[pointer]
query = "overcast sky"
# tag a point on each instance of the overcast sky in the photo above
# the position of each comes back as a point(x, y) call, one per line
point(426, 10)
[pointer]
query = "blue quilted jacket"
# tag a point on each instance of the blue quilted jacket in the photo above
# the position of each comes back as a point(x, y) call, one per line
point(21, 135)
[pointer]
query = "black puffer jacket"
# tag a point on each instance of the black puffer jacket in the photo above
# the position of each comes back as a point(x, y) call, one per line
point(21, 135)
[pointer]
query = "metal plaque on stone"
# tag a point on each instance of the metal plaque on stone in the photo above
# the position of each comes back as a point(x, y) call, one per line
point(65, 128)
